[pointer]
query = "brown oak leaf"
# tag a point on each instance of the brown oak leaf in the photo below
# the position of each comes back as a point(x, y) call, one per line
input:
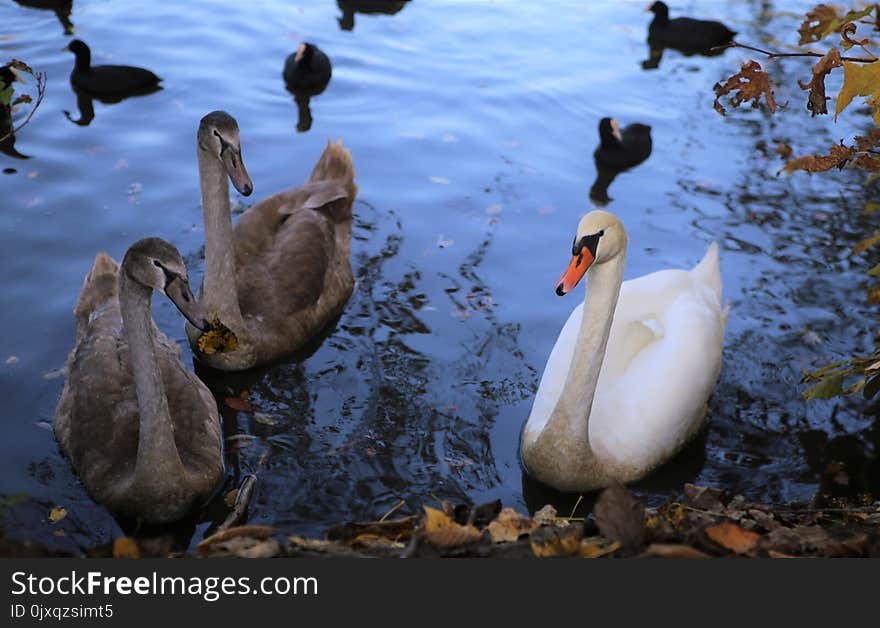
point(816, 102)
point(838, 157)
point(749, 84)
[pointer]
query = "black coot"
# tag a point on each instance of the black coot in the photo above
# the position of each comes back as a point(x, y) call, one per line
point(622, 148)
point(618, 150)
point(108, 83)
point(685, 34)
point(306, 73)
point(307, 70)
point(350, 7)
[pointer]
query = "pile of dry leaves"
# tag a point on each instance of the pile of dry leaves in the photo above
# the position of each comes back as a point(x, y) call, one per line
point(704, 523)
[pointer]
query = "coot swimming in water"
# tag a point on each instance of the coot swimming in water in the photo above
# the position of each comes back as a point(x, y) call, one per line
point(685, 34)
point(622, 148)
point(308, 69)
point(108, 81)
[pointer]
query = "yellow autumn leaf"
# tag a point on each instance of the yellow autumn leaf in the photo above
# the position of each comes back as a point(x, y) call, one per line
point(860, 80)
point(509, 525)
point(126, 547)
point(865, 244)
point(57, 514)
point(441, 531)
point(596, 546)
point(218, 339)
point(230, 498)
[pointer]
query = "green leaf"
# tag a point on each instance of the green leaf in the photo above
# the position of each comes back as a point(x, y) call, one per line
point(873, 272)
point(22, 98)
point(828, 388)
point(6, 96)
point(818, 374)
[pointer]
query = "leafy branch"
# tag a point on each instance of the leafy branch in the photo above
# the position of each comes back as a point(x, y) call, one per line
point(861, 77)
point(23, 99)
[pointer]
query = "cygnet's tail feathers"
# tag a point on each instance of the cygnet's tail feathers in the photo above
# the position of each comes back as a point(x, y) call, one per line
point(336, 163)
point(100, 285)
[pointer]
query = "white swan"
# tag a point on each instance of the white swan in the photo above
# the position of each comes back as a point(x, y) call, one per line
point(627, 381)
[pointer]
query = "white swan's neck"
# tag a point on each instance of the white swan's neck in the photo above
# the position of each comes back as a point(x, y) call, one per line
point(561, 454)
point(576, 400)
point(219, 294)
point(156, 446)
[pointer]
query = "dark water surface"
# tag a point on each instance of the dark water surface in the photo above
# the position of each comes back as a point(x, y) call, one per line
point(472, 126)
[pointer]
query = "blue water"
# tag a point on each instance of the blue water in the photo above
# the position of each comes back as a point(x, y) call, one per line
point(472, 126)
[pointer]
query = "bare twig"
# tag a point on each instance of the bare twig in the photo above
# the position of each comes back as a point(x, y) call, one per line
point(393, 508)
point(773, 55)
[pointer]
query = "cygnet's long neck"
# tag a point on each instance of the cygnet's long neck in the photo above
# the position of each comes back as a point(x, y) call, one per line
point(156, 446)
point(219, 293)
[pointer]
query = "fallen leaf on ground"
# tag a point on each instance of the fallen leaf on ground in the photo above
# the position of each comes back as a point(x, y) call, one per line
point(596, 546)
point(620, 516)
point(550, 542)
point(394, 529)
point(125, 547)
point(547, 516)
point(509, 526)
point(249, 541)
point(672, 550)
point(732, 537)
point(441, 531)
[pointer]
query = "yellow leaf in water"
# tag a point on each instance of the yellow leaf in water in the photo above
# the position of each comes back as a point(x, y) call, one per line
point(218, 339)
point(59, 532)
point(57, 514)
point(230, 498)
point(125, 547)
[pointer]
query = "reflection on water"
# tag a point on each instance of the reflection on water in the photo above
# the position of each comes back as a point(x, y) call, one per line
point(655, 53)
point(350, 7)
point(86, 105)
point(62, 9)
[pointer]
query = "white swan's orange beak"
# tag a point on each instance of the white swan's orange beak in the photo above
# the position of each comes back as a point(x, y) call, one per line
point(575, 271)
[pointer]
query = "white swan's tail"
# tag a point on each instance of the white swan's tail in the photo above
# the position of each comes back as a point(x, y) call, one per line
point(708, 271)
point(336, 164)
point(99, 286)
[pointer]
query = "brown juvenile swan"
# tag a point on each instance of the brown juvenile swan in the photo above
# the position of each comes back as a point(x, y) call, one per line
point(284, 272)
point(142, 431)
